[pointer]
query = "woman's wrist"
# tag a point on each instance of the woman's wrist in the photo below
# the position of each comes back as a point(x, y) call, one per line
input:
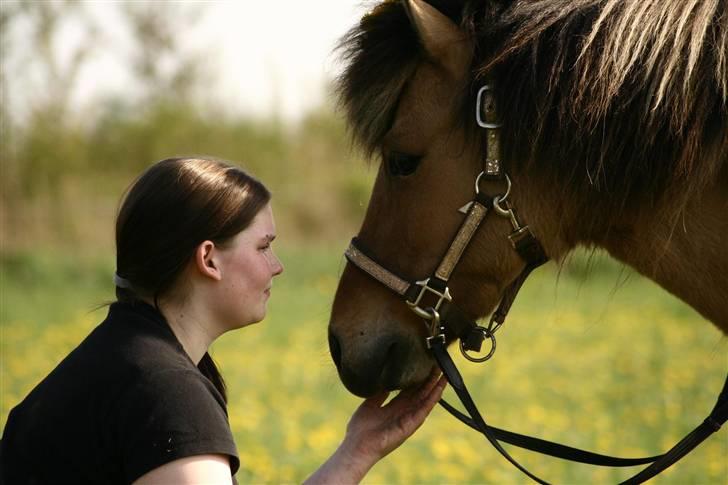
point(355, 459)
point(348, 465)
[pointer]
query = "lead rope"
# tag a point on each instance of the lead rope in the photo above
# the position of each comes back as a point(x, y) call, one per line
point(659, 463)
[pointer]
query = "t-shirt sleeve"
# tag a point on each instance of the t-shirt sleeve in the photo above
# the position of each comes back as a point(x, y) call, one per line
point(171, 415)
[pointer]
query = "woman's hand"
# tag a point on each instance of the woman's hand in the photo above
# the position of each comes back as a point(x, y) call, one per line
point(375, 431)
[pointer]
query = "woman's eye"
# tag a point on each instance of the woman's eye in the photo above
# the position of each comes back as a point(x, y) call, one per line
point(401, 164)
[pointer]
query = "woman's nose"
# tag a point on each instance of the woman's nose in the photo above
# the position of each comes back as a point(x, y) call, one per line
point(277, 265)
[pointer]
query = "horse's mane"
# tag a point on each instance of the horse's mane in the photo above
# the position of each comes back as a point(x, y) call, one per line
point(628, 96)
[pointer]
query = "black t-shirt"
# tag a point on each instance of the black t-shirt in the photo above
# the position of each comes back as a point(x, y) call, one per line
point(127, 400)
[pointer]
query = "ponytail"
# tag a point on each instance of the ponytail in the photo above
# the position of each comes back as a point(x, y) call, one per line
point(209, 369)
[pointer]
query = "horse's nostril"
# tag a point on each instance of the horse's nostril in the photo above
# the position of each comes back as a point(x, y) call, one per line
point(335, 349)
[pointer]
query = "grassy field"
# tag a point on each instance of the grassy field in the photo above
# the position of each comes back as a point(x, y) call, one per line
point(593, 356)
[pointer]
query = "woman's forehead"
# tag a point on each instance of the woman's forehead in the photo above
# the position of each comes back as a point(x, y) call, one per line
point(263, 225)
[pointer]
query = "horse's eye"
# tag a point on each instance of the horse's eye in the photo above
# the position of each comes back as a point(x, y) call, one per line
point(401, 164)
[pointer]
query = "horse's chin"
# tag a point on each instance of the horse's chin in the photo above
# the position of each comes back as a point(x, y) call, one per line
point(409, 373)
point(415, 376)
point(413, 381)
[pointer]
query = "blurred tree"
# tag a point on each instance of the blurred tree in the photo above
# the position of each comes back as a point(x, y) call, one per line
point(169, 76)
point(38, 149)
point(43, 145)
point(158, 60)
point(47, 155)
point(41, 51)
point(7, 176)
point(6, 13)
point(63, 169)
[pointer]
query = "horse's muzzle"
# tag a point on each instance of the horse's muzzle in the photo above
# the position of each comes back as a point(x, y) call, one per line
point(369, 366)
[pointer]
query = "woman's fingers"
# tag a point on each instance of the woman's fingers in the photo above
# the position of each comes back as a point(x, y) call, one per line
point(431, 383)
point(377, 400)
point(416, 395)
point(434, 395)
point(419, 402)
point(376, 430)
point(416, 413)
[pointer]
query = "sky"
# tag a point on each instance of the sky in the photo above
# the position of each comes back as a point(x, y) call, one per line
point(278, 52)
point(263, 56)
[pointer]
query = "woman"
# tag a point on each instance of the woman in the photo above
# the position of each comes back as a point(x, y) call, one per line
point(140, 400)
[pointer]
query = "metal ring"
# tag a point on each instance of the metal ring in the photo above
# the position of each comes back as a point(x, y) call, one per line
point(508, 189)
point(503, 198)
point(477, 182)
point(500, 210)
point(500, 198)
point(487, 356)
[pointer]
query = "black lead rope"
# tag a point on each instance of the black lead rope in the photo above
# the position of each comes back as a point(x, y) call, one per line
point(549, 447)
point(658, 463)
point(456, 381)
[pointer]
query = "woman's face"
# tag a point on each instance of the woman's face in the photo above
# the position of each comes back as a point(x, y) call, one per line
point(248, 267)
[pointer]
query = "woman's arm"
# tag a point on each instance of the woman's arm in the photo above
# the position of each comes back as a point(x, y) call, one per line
point(375, 431)
point(208, 469)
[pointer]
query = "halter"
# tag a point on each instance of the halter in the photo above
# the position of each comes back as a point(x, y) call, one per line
point(432, 300)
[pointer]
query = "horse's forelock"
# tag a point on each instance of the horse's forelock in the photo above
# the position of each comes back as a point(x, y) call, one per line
point(380, 56)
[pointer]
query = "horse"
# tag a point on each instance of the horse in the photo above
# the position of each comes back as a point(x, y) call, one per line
point(612, 131)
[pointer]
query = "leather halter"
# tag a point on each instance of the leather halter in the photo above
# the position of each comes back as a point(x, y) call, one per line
point(432, 300)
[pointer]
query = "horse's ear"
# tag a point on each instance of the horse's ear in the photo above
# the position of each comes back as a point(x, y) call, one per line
point(441, 37)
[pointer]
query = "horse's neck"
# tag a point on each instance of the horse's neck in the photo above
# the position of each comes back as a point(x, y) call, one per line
point(687, 257)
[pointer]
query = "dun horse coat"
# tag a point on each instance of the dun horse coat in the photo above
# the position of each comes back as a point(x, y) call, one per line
point(614, 132)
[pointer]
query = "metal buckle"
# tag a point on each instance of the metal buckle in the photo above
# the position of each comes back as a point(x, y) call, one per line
point(414, 305)
point(488, 335)
point(519, 234)
point(478, 112)
point(508, 212)
point(430, 341)
point(437, 331)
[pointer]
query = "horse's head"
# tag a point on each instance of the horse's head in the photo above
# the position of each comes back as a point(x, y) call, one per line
point(406, 100)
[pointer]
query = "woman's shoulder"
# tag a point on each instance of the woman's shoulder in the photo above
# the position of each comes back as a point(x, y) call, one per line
point(130, 345)
point(147, 353)
point(134, 336)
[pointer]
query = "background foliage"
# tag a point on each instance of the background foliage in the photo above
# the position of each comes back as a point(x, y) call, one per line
point(593, 355)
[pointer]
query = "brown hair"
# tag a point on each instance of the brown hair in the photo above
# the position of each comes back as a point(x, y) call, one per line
point(167, 212)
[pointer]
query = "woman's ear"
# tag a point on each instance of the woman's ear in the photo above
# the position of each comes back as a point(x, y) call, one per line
point(207, 260)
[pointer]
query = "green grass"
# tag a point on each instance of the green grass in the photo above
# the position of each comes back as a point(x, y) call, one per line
point(592, 355)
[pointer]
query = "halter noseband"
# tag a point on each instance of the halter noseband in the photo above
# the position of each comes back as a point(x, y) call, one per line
point(431, 298)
